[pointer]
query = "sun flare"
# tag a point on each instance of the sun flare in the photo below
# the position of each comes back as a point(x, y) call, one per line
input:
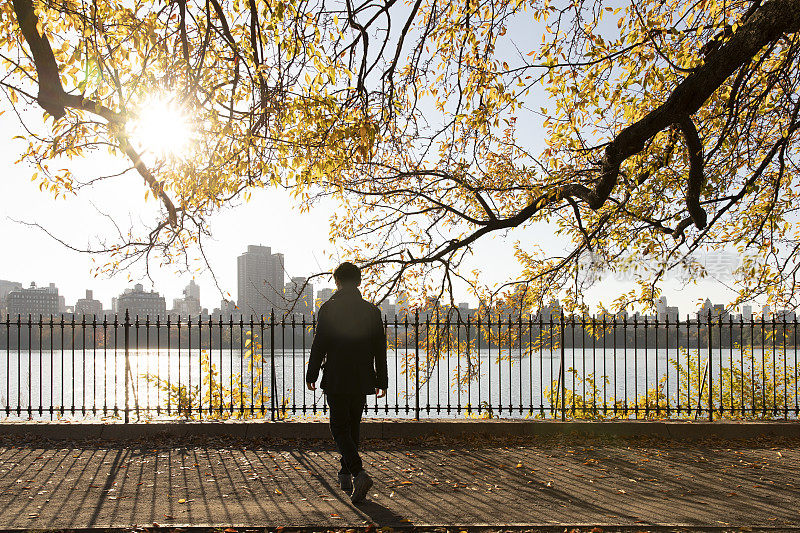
point(162, 128)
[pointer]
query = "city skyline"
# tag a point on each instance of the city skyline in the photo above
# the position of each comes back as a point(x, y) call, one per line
point(138, 301)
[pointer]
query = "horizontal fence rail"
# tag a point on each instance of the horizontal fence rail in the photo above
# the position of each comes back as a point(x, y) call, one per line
point(567, 367)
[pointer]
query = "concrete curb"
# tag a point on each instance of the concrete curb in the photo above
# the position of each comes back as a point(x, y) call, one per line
point(394, 429)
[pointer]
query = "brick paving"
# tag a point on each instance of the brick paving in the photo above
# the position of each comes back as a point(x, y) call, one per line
point(424, 483)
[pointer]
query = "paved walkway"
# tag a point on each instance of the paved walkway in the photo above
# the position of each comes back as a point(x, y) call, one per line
point(520, 481)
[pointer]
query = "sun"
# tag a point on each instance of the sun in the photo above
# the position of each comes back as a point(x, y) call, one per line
point(162, 127)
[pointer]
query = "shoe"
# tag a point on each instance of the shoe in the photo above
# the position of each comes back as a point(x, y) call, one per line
point(346, 482)
point(361, 485)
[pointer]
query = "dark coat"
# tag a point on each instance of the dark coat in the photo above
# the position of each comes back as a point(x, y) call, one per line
point(349, 345)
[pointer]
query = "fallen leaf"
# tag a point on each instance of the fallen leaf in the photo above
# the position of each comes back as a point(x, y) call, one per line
point(182, 500)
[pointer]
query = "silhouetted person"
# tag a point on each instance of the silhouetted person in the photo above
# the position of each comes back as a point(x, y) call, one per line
point(350, 347)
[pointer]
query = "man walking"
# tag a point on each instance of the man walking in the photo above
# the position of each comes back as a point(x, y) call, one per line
point(350, 347)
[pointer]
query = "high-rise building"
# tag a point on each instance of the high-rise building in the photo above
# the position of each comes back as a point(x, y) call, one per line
point(33, 301)
point(88, 306)
point(5, 288)
point(192, 290)
point(260, 275)
point(323, 295)
point(138, 302)
point(673, 314)
point(706, 310)
point(388, 310)
point(765, 313)
point(661, 308)
point(226, 309)
point(747, 312)
point(189, 305)
point(300, 296)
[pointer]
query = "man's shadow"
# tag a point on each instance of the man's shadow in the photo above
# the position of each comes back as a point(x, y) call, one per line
point(381, 515)
point(378, 514)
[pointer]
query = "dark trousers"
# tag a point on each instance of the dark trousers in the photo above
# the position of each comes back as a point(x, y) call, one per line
point(346, 410)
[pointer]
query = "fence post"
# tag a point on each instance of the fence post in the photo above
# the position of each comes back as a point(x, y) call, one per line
point(710, 371)
point(273, 379)
point(416, 363)
point(562, 374)
point(127, 326)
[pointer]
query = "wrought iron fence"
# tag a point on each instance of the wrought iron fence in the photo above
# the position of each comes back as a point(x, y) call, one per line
point(452, 365)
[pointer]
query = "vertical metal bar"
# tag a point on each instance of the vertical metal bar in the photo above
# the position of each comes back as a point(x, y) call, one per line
point(741, 363)
point(241, 367)
point(158, 365)
point(189, 365)
point(710, 365)
point(625, 361)
point(721, 407)
point(396, 363)
point(593, 321)
point(447, 330)
point(187, 409)
point(635, 366)
point(303, 359)
point(666, 361)
point(605, 369)
point(561, 375)
point(135, 384)
point(200, 366)
point(572, 346)
point(261, 371)
point(8, 362)
point(211, 381)
point(489, 361)
point(785, 372)
point(147, 366)
point(94, 365)
point(416, 364)
point(763, 369)
point(19, 356)
point(469, 367)
point(553, 406)
point(541, 364)
point(51, 366)
point(796, 383)
point(519, 343)
point(127, 326)
point(655, 371)
point(774, 375)
point(273, 379)
point(752, 365)
point(30, 365)
point(169, 365)
point(250, 368)
point(614, 342)
point(478, 336)
point(116, 366)
point(386, 333)
point(41, 385)
point(458, 362)
point(405, 360)
point(428, 363)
